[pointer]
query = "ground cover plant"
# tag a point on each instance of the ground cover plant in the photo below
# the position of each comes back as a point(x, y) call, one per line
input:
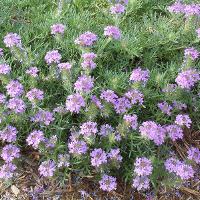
point(101, 88)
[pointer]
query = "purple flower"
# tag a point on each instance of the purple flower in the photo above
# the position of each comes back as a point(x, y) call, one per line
point(14, 88)
point(135, 96)
point(4, 69)
point(108, 183)
point(17, 105)
point(35, 95)
point(84, 84)
point(183, 120)
point(88, 62)
point(112, 32)
point(194, 154)
point(175, 132)
point(52, 57)
point(181, 169)
point(171, 164)
point(179, 105)
point(118, 137)
point(191, 53)
point(115, 155)
point(153, 131)
point(143, 167)
point(57, 29)
point(121, 105)
point(10, 152)
point(165, 108)
point(43, 116)
point(88, 129)
point(117, 9)
point(198, 32)
point(185, 171)
point(188, 78)
point(109, 96)
point(1, 52)
point(141, 183)
point(60, 109)
point(12, 40)
point(106, 130)
point(139, 75)
point(98, 157)
point(35, 138)
point(47, 168)
point(170, 88)
point(177, 7)
point(77, 147)
point(9, 134)
point(32, 71)
point(96, 101)
point(50, 143)
point(192, 9)
point(2, 98)
point(131, 121)
point(7, 170)
point(64, 67)
point(86, 39)
point(74, 103)
point(63, 160)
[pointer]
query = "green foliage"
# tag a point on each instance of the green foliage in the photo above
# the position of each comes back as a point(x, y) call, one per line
point(151, 37)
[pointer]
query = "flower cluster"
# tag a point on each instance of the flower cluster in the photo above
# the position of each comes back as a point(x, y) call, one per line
point(4, 69)
point(175, 132)
point(194, 154)
point(183, 120)
point(98, 157)
point(84, 84)
point(184, 171)
point(139, 75)
point(64, 67)
point(9, 134)
point(131, 121)
point(77, 147)
point(16, 105)
point(186, 9)
point(112, 32)
point(32, 71)
point(153, 131)
point(35, 95)
point(88, 129)
point(188, 78)
point(105, 130)
point(74, 103)
point(88, 61)
point(52, 57)
point(14, 88)
point(12, 40)
point(43, 116)
point(57, 29)
point(143, 169)
point(86, 39)
point(117, 9)
point(10, 152)
point(47, 168)
point(108, 183)
point(165, 108)
point(35, 138)
point(191, 53)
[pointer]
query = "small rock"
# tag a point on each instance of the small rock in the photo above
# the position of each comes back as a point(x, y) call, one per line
point(15, 190)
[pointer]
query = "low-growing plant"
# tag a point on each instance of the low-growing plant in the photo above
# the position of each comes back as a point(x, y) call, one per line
point(109, 105)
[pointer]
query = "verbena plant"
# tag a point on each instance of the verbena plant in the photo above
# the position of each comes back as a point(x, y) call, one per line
point(101, 88)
